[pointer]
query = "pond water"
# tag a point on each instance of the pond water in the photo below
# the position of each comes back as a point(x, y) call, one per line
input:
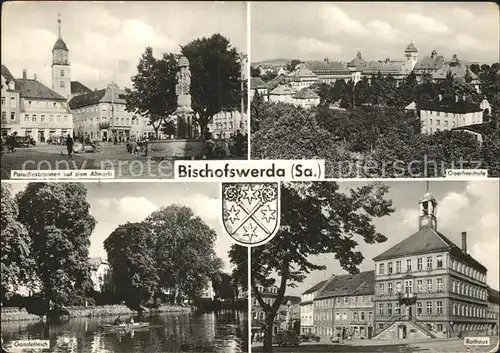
point(224, 331)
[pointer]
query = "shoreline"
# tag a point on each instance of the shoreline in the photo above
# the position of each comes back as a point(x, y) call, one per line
point(15, 314)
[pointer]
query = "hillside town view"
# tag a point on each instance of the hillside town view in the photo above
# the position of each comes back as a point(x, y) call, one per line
point(102, 268)
point(150, 99)
point(424, 109)
point(403, 268)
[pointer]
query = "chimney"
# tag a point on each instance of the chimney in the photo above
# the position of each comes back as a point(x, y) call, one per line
point(25, 74)
point(464, 242)
point(34, 76)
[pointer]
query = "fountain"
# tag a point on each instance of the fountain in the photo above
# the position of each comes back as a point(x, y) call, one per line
point(184, 146)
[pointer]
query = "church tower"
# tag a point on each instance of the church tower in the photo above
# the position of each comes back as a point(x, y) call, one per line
point(428, 205)
point(61, 74)
point(411, 55)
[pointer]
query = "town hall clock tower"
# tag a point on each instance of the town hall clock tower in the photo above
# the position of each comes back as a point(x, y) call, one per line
point(61, 74)
point(428, 205)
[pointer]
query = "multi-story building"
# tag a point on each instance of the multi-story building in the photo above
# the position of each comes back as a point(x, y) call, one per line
point(101, 115)
point(329, 72)
point(44, 113)
point(446, 114)
point(428, 65)
point(306, 98)
point(426, 286)
point(61, 66)
point(302, 97)
point(11, 104)
point(208, 291)
point(224, 125)
point(345, 306)
point(492, 312)
point(99, 273)
point(268, 295)
point(302, 77)
point(282, 93)
point(259, 86)
point(457, 70)
point(307, 308)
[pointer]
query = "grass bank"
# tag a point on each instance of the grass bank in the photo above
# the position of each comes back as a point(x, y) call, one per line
point(15, 314)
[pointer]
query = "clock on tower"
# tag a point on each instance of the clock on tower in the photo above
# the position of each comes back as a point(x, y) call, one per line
point(427, 218)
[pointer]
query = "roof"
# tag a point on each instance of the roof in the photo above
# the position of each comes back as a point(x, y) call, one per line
point(315, 287)
point(347, 285)
point(385, 67)
point(357, 62)
point(305, 93)
point(450, 106)
point(430, 63)
point(78, 87)
point(427, 241)
point(60, 45)
point(257, 83)
point(30, 88)
point(95, 97)
point(283, 90)
point(428, 197)
point(493, 295)
point(95, 262)
point(6, 73)
point(458, 71)
point(411, 106)
point(322, 67)
point(411, 48)
point(293, 299)
point(302, 71)
point(482, 128)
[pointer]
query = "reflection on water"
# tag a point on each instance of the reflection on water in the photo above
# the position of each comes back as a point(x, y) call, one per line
point(222, 331)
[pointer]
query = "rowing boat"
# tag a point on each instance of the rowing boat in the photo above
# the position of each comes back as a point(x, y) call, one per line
point(134, 326)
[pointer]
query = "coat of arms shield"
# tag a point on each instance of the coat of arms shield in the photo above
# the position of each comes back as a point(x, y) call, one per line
point(251, 212)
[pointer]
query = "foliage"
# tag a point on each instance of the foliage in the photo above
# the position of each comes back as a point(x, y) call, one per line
point(224, 286)
point(57, 218)
point(153, 92)
point(15, 245)
point(238, 255)
point(215, 77)
point(316, 218)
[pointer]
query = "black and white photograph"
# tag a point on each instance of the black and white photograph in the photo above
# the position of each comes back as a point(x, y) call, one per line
point(129, 87)
point(399, 266)
point(377, 89)
point(121, 267)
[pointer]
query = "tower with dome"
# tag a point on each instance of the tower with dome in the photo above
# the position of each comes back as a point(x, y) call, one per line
point(61, 66)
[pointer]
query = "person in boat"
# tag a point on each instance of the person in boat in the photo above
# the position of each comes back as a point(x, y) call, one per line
point(131, 322)
point(118, 321)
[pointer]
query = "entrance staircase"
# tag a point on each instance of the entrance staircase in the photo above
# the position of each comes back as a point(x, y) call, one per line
point(420, 325)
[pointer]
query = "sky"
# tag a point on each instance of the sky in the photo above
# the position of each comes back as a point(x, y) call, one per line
point(380, 30)
point(113, 204)
point(471, 207)
point(106, 40)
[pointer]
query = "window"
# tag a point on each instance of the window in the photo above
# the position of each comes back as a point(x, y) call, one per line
point(381, 309)
point(381, 287)
point(355, 316)
point(362, 316)
point(42, 118)
point(33, 118)
point(439, 261)
point(12, 116)
point(389, 288)
point(62, 84)
point(429, 285)
point(446, 123)
point(462, 291)
point(453, 286)
point(370, 314)
point(439, 307)
point(397, 308)
point(58, 119)
point(419, 285)
point(408, 286)
point(62, 73)
point(439, 284)
point(354, 300)
point(4, 117)
point(438, 122)
point(344, 316)
point(398, 287)
point(408, 265)
point(338, 300)
point(429, 308)
point(337, 316)
point(389, 268)
point(429, 262)
point(65, 119)
point(398, 266)
point(12, 102)
point(3, 100)
point(389, 309)
point(346, 300)
point(419, 264)
point(381, 270)
point(419, 308)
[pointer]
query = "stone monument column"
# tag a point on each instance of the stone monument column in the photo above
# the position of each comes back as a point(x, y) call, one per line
point(184, 111)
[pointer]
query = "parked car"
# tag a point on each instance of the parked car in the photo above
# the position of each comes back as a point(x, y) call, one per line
point(24, 141)
point(286, 339)
point(309, 338)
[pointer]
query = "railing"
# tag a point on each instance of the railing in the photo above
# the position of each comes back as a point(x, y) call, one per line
point(422, 326)
point(419, 324)
point(387, 325)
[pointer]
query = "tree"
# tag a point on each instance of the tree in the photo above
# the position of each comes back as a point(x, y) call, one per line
point(238, 256)
point(153, 93)
point(131, 255)
point(293, 64)
point(475, 69)
point(15, 244)
point(316, 218)
point(254, 72)
point(224, 286)
point(255, 109)
point(215, 77)
point(180, 235)
point(57, 218)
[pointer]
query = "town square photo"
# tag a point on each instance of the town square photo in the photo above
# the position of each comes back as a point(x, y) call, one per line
point(400, 266)
point(121, 267)
point(377, 89)
point(129, 87)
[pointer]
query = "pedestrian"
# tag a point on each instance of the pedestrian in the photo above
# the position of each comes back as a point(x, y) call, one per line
point(238, 143)
point(69, 145)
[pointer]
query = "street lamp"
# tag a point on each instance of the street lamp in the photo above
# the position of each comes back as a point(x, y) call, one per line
point(242, 58)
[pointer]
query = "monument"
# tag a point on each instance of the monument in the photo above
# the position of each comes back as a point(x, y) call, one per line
point(184, 146)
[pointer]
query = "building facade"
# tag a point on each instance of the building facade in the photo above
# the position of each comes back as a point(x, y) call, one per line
point(102, 115)
point(426, 286)
point(99, 273)
point(260, 87)
point(11, 104)
point(61, 66)
point(224, 125)
point(307, 308)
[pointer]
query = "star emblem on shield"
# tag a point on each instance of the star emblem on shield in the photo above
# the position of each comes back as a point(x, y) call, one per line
point(250, 211)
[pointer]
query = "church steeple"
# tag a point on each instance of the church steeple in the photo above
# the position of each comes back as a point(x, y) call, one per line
point(428, 205)
point(59, 25)
point(61, 74)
